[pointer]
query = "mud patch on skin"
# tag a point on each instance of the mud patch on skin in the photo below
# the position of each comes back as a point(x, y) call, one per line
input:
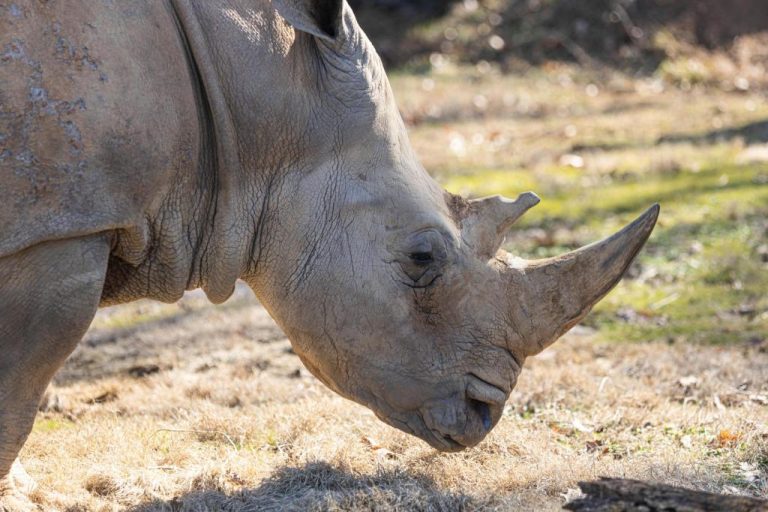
point(73, 53)
point(15, 11)
point(47, 123)
point(75, 139)
point(36, 123)
point(24, 126)
point(15, 50)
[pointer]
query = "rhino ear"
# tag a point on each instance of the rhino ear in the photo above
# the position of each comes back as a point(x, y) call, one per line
point(490, 218)
point(321, 18)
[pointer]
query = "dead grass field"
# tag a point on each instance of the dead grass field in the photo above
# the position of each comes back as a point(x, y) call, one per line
point(196, 407)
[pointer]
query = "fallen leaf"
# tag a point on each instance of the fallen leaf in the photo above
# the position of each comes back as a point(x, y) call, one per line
point(558, 429)
point(726, 437)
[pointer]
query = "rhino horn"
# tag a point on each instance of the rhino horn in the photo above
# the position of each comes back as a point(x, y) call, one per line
point(490, 218)
point(552, 295)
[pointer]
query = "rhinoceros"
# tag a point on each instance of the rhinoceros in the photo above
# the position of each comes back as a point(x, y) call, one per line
point(153, 147)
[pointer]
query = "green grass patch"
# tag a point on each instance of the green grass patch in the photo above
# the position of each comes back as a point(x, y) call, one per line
point(703, 276)
point(46, 425)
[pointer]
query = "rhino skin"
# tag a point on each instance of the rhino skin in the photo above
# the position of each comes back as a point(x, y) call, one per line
point(148, 148)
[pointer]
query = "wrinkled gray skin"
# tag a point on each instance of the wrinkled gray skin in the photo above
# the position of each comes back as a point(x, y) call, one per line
point(149, 148)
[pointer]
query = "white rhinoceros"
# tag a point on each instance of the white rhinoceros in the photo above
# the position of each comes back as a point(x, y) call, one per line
point(153, 147)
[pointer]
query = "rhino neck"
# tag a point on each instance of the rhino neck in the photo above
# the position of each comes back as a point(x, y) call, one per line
point(290, 119)
point(242, 62)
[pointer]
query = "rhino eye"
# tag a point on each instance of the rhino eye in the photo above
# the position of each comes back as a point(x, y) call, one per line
point(421, 258)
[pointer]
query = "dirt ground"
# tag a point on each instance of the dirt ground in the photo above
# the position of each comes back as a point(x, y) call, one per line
point(198, 407)
point(195, 407)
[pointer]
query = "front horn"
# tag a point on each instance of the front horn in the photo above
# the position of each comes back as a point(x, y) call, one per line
point(549, 296)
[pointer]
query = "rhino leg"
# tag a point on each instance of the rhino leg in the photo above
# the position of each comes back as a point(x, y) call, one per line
point(48, 296)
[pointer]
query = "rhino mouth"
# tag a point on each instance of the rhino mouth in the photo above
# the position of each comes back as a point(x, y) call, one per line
point(480, 419)
point(462, 421)
point(450, 423)
point(413, 423)
point(443, 442)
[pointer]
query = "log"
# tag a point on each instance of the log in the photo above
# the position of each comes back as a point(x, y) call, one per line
point(620, 495)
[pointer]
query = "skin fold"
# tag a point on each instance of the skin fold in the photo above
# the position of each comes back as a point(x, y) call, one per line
point(148, 148)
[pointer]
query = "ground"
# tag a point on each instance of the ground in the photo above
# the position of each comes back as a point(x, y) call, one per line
point(200, 407)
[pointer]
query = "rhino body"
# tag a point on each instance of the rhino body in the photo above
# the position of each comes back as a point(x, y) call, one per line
point(148, 148)
point(113, 126)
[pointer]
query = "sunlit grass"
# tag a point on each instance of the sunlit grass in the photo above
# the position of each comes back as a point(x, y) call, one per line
point(229, 420)
point(703, 276)
point(704, 279)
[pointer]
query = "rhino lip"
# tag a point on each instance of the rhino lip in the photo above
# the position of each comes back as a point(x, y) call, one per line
point(482, 400)
point(439, 440)
point(480, 390)
point(416, 426)
point(483, 403)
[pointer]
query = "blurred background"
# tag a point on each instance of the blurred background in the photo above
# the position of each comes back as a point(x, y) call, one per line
point(604, 107)
point(713, 39)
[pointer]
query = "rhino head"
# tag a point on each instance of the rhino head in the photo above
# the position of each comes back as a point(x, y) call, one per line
point(393, 292)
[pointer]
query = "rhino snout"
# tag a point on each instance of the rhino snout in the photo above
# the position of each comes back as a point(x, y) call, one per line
point(460, 422)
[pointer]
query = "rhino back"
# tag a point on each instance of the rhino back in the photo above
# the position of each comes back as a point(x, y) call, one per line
point(99, 125)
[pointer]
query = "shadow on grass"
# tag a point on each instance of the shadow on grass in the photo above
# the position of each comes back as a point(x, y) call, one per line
point(108, 336)
point(152, 344)
point(668, 190)
point(752, 133)
point(320, 486)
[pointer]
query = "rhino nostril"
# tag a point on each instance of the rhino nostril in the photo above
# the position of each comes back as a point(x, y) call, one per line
point(482, 409)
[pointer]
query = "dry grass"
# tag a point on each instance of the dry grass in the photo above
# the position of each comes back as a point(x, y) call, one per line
point(196, 407)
